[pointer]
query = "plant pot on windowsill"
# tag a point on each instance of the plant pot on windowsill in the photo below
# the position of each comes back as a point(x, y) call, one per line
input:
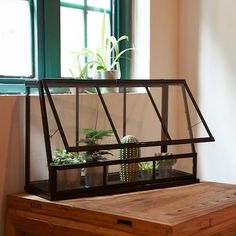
point(107, 74)
point(103, 62)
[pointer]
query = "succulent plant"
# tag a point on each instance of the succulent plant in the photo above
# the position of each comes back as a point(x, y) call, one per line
point(147, 165)
point(129, 172)
point(169, 162)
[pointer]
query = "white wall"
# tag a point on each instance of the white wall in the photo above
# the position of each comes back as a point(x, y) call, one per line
point(163, 39)
point(208, 61)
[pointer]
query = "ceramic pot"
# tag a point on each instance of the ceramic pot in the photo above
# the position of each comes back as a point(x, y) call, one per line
point(146, 174)
point(94, 176)
point(165, 171)
point(68, 179)
point(107, 74)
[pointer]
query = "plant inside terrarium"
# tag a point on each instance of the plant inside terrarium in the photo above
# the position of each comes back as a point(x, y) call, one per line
point(62, 157)
point(92, 138)
point(169, 162)
point(147, 165)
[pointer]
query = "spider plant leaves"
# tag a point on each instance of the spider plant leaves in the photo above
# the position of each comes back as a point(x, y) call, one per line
point(105, 57)
point(119, 56)
point(103, 31)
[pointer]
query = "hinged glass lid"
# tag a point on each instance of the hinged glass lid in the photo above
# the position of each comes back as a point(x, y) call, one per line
point(164, 113)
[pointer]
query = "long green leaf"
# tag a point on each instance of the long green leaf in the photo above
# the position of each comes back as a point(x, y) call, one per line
point(123, 37)
point(119, 55)
point(83, 71)
point(114, 46)
point(103, 31)
point(100, 60)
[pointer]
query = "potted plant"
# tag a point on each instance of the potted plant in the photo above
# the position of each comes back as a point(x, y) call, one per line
point(129, 172)
point(94, 175)
point(69, 178)
point(165, 166)
point(147, 169)
point(104, 60)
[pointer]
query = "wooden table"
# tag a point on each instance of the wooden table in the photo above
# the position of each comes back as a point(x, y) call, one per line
point(199, 209)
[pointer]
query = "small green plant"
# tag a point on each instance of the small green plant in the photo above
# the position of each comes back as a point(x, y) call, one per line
point(106, 57)
point(62, 157)
point(169, 162)
point(92, 136)
point(148, 165)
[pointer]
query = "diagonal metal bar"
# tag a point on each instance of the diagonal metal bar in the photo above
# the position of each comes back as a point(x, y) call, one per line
point(45, 122)
point(46, 136)
point(164, 113)
point(108, 115)
point(188, 116)
point(158, 113)
point(56, 117)
point(124, 111)
point(198, 111)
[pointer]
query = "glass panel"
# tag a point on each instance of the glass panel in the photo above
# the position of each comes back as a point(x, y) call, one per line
point(183, 119)
point(94, 33)
point(38, 163)
point(15, 38)
point(80, 2)
point(100, 4)
point(72, 39)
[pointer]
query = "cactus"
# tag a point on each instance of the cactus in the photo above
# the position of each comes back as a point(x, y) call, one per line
point(129, 172)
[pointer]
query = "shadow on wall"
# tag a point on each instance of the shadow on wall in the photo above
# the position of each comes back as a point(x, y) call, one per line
point(12, 151)
point(207, 60)
point(189, 13)
point(217, 85)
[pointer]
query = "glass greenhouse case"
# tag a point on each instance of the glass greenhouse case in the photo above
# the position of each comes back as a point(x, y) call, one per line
point(97, 137)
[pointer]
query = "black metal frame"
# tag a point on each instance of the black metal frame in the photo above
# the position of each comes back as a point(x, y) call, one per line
point(51, 191)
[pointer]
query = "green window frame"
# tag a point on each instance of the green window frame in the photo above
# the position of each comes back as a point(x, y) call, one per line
point(45, 28)
point(122, 26)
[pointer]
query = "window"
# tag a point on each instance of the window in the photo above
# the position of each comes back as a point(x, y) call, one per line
point(40, 34)
point(15, 39)
point(81, 23)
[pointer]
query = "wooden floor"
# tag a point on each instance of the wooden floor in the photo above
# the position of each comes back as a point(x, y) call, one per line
point(198, 209)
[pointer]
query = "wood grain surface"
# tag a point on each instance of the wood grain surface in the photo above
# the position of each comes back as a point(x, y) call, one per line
point(198, 209)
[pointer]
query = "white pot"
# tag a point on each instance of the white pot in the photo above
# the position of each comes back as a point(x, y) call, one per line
point(107, 74)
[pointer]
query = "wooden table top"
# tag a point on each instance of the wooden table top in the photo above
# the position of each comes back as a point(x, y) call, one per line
point(201, 205)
